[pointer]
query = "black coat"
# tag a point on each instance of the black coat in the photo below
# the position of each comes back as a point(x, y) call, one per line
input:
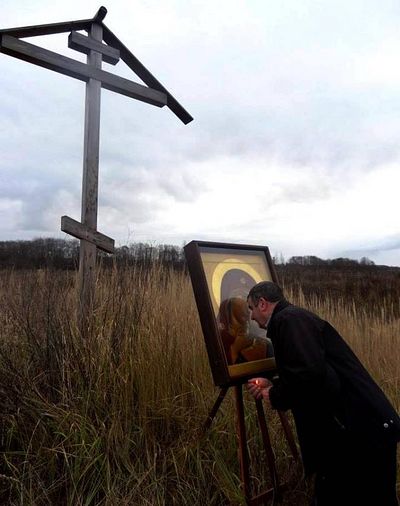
point(329, 391)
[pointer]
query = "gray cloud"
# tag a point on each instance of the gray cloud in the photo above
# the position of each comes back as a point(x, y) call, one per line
point(293, 85)
point(384, 244)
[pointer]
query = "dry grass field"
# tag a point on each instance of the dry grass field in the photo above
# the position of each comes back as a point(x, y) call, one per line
point(114, 419)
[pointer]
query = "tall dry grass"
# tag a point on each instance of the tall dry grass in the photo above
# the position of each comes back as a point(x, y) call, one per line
point(114, 419)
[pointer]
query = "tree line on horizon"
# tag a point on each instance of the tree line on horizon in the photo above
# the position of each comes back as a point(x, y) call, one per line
point(64, 254)
point(340, 278)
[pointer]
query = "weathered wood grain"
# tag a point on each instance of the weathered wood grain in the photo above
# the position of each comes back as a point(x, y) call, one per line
point(70, 67)
point(84, 44)
point(80, 231)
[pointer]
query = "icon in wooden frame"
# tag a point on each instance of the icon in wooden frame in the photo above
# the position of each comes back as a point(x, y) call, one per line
point(222, 275)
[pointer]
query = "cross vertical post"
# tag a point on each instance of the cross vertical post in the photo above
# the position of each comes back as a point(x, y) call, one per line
point(88, 250)
point(101, 44)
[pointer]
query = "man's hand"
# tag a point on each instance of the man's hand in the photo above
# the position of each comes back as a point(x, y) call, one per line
point(259, 388)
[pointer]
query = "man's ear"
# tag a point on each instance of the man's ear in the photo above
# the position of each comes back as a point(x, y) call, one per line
point(263, 302)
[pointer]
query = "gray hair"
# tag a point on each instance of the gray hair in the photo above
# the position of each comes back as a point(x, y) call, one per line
point(266, 289)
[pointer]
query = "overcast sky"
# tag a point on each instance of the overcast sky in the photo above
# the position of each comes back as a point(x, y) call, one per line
point(294, 143)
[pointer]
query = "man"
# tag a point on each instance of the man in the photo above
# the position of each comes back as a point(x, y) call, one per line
point(347, 429)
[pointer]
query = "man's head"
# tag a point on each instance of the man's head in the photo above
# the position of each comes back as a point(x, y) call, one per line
point(262, 299)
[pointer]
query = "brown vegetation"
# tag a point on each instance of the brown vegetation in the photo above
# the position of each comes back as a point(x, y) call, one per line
point(114, 419)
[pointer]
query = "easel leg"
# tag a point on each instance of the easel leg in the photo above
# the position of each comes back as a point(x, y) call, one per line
point(243, 452)
point(289, 434)
point(214, 409)
point(244, 461)
point(268, 448)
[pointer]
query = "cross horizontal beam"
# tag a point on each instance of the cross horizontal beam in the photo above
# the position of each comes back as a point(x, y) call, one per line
point(67, 66)
point(84, 44)
point(49, 29)
point(81, 231)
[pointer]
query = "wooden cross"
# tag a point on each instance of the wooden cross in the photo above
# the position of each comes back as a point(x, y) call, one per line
point(111, 52)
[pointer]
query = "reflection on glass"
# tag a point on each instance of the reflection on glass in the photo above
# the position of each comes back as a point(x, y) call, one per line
point(240, 343)
point(236, 283)
point(230, 274)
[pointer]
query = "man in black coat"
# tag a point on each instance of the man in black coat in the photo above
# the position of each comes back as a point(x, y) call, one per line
point(347, 429)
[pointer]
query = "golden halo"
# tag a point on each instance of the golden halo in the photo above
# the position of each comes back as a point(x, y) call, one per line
point(227, 265)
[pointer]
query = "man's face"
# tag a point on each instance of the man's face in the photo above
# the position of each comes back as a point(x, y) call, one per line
point(260, 312)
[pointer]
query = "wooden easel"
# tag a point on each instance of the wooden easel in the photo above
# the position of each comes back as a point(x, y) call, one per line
point(276, 490)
